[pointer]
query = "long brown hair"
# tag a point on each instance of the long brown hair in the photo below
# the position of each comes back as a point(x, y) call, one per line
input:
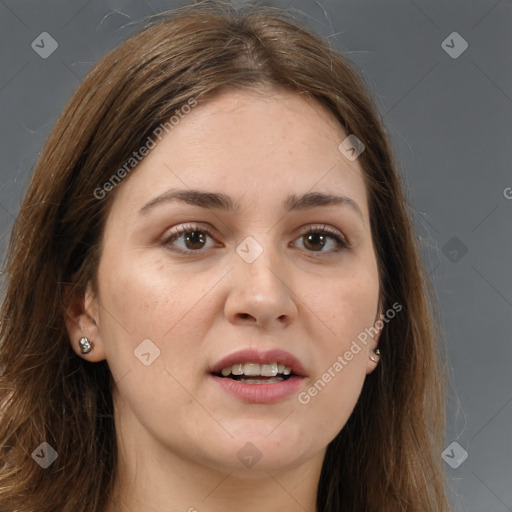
point(387, 457)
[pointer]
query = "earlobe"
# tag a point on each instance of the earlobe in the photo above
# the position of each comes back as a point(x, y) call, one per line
point(86, 345)
point(374, 359)
point(82, 324)
point(374, 354)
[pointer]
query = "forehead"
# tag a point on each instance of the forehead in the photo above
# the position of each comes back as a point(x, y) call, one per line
point(252, 146)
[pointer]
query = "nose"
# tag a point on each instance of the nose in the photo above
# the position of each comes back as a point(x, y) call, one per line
point(261, 292)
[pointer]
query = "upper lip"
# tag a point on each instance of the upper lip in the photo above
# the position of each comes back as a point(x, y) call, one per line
point(257, 356)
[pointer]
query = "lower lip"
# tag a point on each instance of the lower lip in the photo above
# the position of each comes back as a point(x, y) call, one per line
point(260, 393)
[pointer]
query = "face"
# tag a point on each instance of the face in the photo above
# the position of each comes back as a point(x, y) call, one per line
point(260, 265)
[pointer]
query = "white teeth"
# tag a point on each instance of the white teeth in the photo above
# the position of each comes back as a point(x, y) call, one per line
point(256, 370)
point(237, 369)
point(252, 369)
point(269, 370)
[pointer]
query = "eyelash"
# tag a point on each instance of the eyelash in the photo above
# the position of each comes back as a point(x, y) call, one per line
point(342, 244)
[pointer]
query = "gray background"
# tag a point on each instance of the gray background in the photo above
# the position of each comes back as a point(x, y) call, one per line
point(450, 120)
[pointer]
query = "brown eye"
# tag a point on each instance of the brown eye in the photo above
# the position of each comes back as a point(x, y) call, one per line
point(195, 240)
point(314, 241)
point(188, 239)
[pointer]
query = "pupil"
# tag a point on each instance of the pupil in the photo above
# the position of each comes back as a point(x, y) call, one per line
point(195, 240)
point(315, 239)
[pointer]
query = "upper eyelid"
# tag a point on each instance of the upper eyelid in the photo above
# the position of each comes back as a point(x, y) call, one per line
point(301, 230)
point(184, 228)
point(322, 227)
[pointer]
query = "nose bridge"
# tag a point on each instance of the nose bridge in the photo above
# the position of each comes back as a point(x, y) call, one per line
point(259, 261)
point(260, 289)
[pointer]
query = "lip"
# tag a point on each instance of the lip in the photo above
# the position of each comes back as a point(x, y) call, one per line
point(260, 393)
point(266, 357)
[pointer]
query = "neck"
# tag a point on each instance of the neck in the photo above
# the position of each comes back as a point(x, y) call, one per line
point(153, 491)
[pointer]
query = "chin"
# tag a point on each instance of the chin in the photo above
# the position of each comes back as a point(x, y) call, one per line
point(261, 447)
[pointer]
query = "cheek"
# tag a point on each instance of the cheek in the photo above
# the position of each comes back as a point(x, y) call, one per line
point(350, 305)
point(332, 392)
point(329, 399)
point(144, 296)
point(151, 330)
point(141, 299)
point(347, 305)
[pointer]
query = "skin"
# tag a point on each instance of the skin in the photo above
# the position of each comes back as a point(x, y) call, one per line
point(178, 431)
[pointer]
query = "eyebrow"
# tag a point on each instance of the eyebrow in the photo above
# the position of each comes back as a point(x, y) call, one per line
point(220, 201)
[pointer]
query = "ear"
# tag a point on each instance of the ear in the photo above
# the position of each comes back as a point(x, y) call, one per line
point(81, 316)
point(373, 344)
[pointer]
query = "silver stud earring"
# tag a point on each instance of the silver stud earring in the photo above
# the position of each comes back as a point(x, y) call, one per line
point(377, 353)
point(85, 345)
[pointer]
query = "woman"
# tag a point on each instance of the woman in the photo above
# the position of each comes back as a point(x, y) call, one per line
point(214, 300)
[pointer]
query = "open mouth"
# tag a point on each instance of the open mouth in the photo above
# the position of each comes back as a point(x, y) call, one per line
point(256, 373)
